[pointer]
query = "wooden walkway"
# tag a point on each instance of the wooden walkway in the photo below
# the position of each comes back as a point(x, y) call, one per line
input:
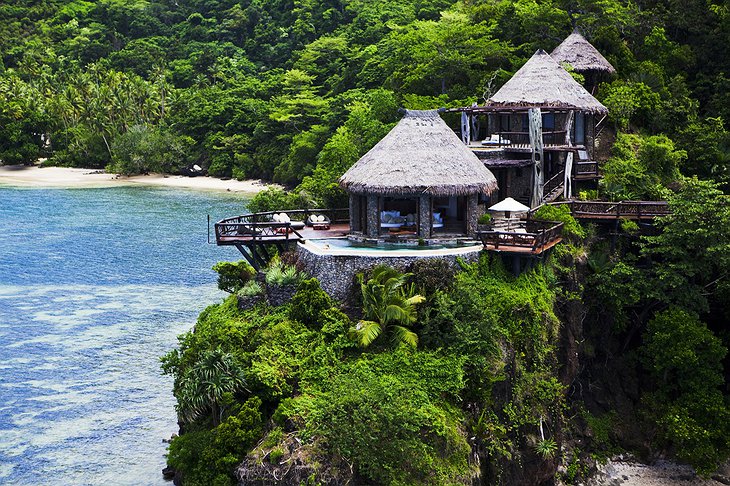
point(605, 210)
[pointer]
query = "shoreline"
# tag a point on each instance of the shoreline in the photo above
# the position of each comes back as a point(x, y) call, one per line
point(72, 178)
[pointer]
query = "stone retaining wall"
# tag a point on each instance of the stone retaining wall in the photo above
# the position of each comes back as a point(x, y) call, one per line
point(336, 273)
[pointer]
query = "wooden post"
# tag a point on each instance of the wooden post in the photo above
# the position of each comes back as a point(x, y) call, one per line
point(568, 178)
point(535, 126)
point(465, 135)
point(472, 203)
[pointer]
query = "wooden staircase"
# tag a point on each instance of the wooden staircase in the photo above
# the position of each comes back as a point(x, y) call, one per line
point(553, 187)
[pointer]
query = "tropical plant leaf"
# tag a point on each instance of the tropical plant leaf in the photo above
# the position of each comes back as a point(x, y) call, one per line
point(367, 332)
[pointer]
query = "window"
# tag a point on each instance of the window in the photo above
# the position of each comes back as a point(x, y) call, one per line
point(548, 121)
point(580, 128)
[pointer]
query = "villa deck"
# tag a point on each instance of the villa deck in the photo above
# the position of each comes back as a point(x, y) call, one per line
point(255, 235)
point(531, 237)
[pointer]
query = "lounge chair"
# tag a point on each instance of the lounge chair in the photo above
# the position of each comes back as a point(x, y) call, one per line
point(495, 141)
point(318, 222)
point(284, 218)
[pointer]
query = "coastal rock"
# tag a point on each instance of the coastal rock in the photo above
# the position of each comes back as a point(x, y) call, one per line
point(168, 473)
point(280, 295)
point(247, 302)
point(628, 472)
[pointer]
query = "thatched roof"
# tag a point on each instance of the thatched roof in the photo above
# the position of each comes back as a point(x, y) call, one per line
point(543, 83)
point(579, 53)
point(420, 155)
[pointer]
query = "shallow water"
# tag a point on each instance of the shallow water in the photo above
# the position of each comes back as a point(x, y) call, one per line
point(95, 285)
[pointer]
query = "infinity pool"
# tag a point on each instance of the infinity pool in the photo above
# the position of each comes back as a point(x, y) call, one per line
point(345, 246)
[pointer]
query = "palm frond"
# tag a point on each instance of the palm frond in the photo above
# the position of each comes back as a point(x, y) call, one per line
point(416, 299)
point(404, 335)
point(367, 332)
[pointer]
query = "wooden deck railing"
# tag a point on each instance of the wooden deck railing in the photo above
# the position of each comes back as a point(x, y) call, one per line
point(614, 210)
point(538, 235)
point(261, 226)
point(522, 139)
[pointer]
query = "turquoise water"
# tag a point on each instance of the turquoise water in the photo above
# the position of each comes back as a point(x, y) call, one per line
point(95, 285)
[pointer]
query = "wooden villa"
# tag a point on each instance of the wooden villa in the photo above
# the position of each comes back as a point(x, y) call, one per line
point(419, 181)
point(539, 133)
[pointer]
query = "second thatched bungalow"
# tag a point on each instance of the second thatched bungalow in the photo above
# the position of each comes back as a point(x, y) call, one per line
point(419, 181)
point(537, 124)
point(583, 58)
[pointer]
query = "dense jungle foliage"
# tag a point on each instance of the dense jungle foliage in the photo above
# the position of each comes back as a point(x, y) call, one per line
point(295, 90)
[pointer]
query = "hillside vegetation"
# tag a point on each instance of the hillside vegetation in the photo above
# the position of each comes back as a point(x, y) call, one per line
point(295, 91)
point(468, 375)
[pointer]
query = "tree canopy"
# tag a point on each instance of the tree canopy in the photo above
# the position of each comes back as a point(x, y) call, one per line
point(295, 91)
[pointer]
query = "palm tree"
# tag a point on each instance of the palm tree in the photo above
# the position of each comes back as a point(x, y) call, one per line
point(203, 386)
point(388, 306)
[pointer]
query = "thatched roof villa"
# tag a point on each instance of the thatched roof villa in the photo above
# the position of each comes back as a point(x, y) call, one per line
point(540, 120)
point(542, 83)
point(418, 181)
point(584, 58)
point(581, 55)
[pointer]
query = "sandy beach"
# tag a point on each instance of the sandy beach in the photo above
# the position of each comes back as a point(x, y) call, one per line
point(63, 177)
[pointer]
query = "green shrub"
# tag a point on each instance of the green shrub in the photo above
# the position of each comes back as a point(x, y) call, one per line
point(485, 218)
point(430, 275)
point(232, 276)
point(309, 302)
point(392, 416)
point(282, 275)
point(640, 167)
point(209, 457)
point(276, 199)
point(629, 226)
point(684, 358)
point(275, 455)
point(142, 149)
point(588, 195)
point(561, 212)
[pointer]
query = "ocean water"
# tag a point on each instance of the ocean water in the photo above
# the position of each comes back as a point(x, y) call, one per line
point(95, 285)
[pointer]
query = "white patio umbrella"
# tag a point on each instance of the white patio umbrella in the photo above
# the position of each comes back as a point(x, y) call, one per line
point(509, 205)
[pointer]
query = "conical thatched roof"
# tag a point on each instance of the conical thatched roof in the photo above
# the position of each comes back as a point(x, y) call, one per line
point(420, 155)
point(543, 83)
point(581, 54)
